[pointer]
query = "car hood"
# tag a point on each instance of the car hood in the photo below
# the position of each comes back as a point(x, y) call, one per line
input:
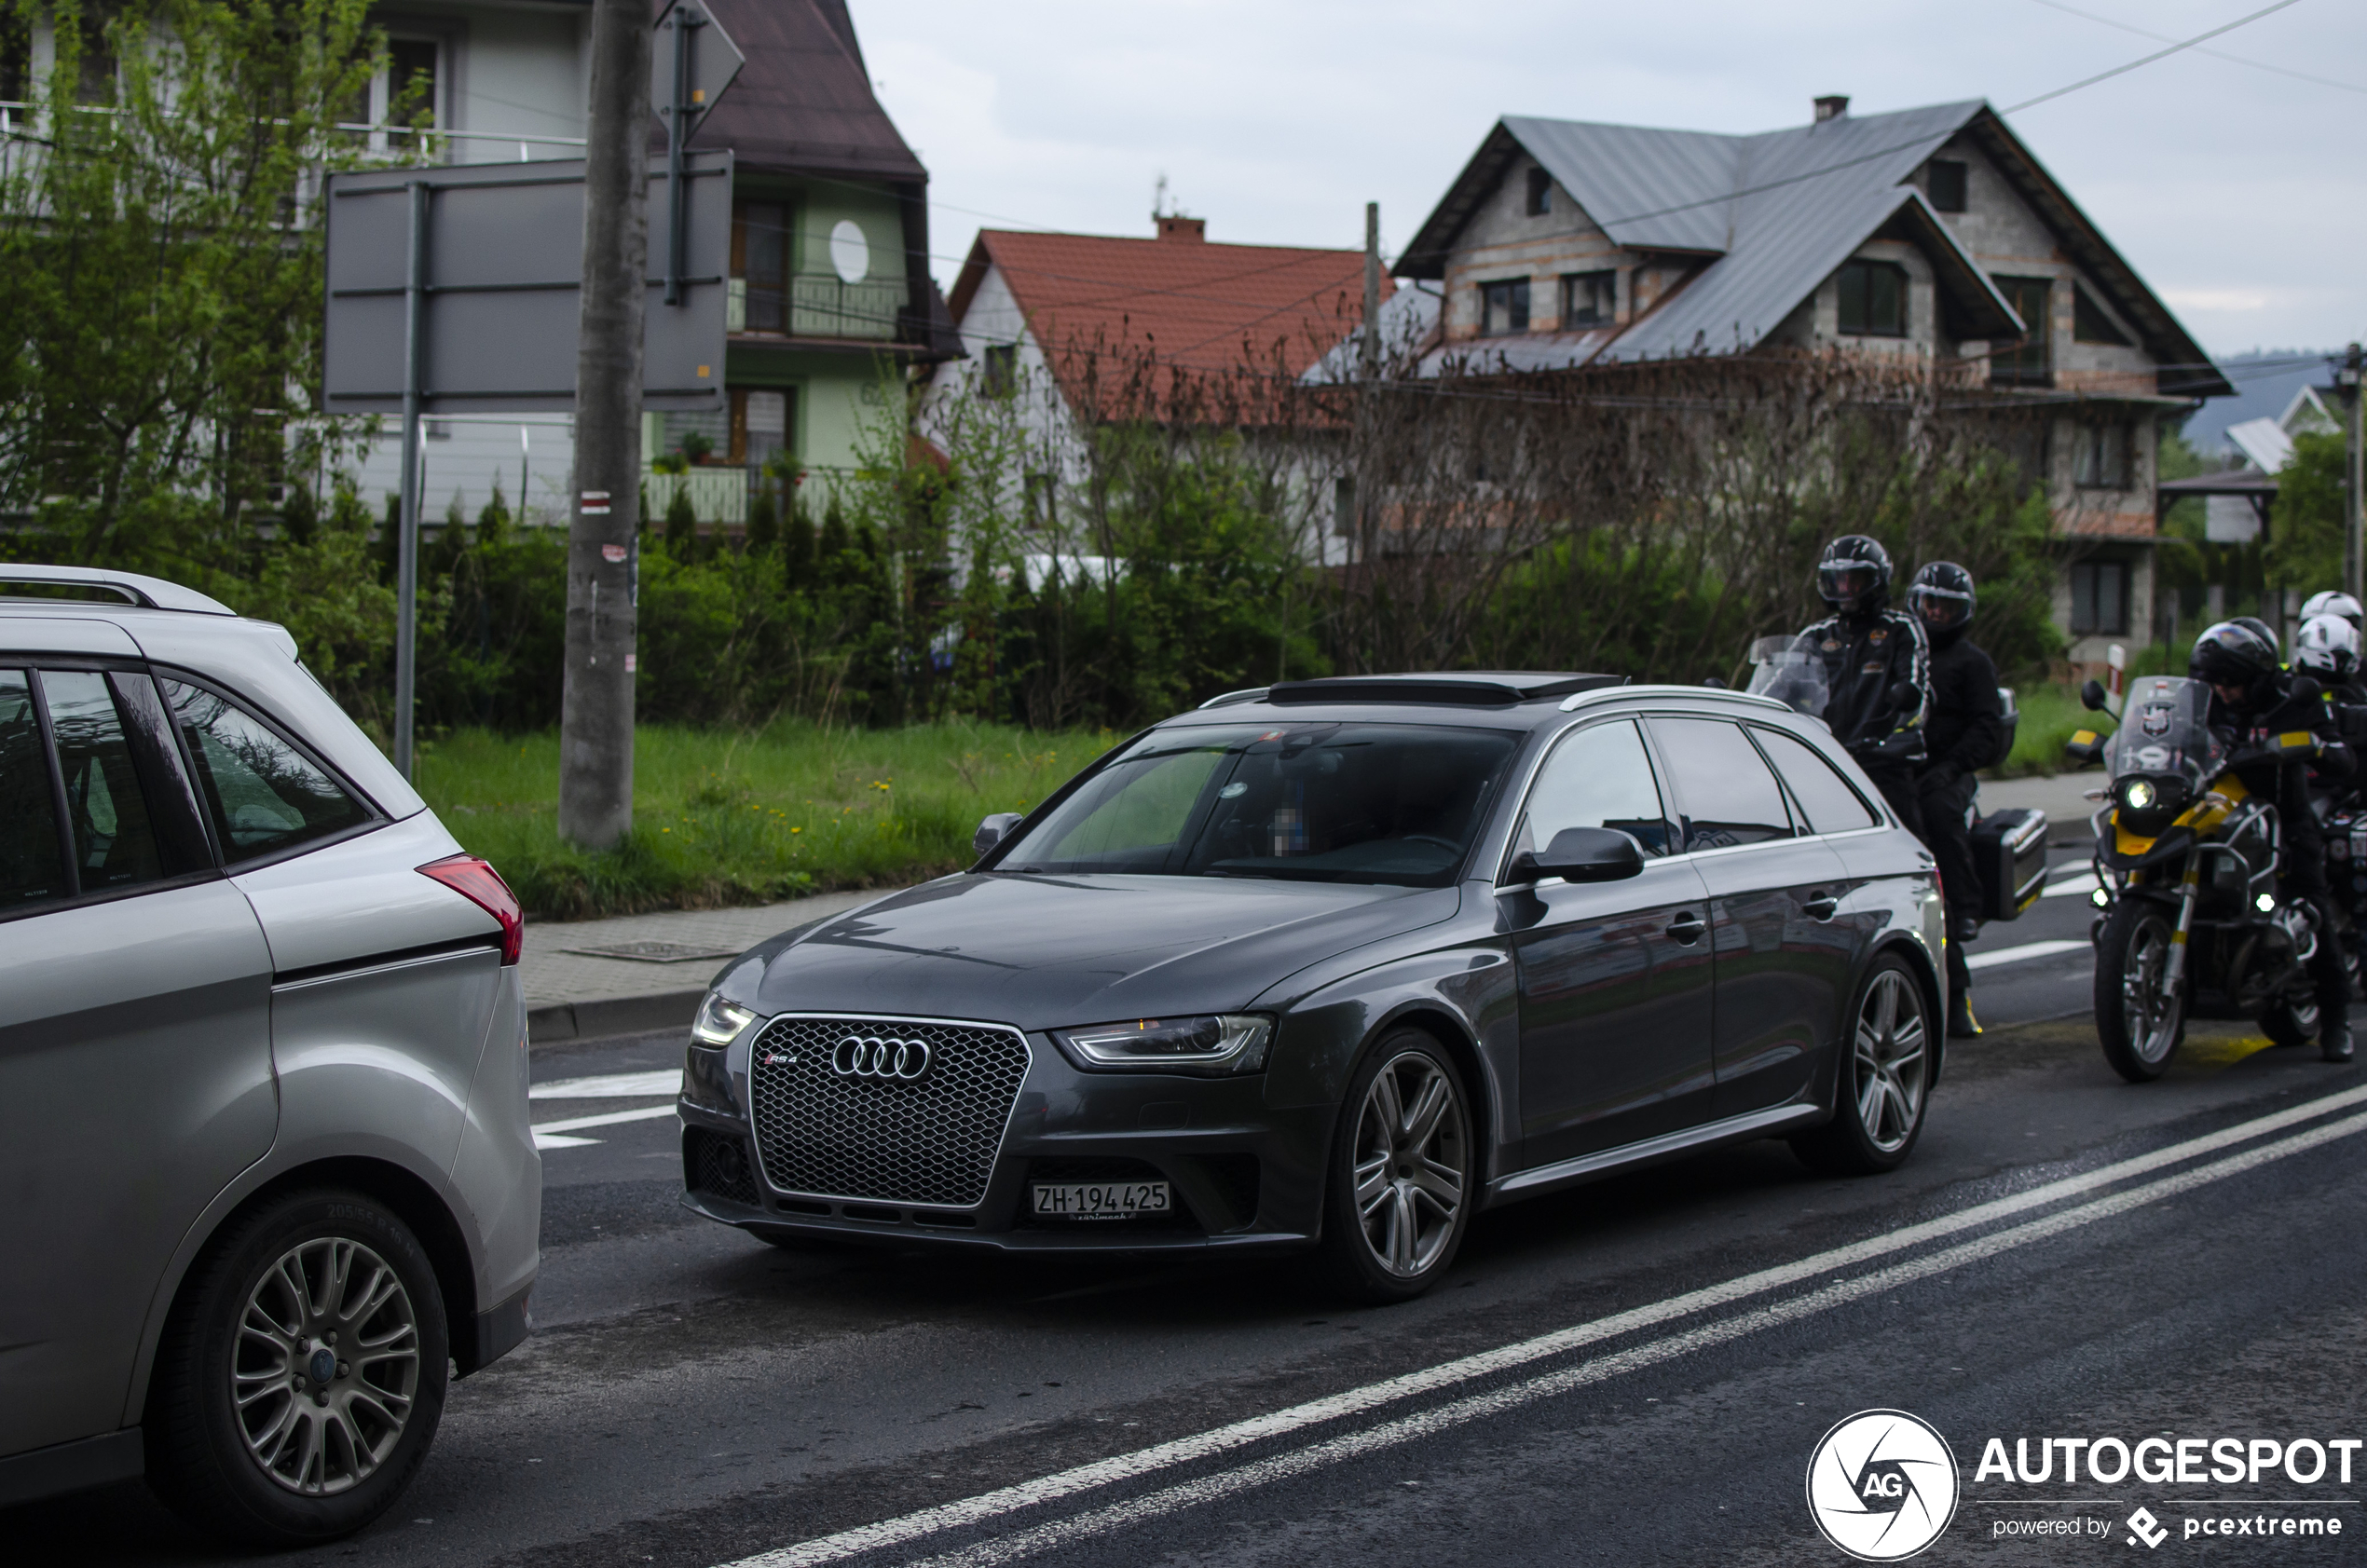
point(1043, 952)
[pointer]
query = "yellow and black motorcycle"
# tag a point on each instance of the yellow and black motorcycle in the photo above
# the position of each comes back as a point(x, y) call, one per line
point(2186, 865)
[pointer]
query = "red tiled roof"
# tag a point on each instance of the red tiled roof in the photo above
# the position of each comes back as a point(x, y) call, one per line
point(1193, 304)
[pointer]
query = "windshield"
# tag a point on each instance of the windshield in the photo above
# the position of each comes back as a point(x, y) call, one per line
point(1792, 672)
point(1312, 801)
point(2165, 730)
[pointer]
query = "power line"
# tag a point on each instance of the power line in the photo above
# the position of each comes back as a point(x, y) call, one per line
point(2148, 60)
point(2215, 54)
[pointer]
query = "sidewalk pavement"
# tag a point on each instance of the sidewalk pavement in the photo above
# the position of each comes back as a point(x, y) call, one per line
point(646, 972)
point(2062, 798)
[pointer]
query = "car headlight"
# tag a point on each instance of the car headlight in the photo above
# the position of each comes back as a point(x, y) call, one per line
point(1210, 1043)
point(718, 1022)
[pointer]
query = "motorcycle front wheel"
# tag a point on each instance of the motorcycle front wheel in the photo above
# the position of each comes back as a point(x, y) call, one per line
point(2139, 1019)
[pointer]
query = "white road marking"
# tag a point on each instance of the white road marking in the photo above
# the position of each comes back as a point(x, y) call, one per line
point(1085, 1478)
point(1423, 1423)
point(2022, 954)
point(2080, 882)
point(612, 1085)
point(545, 1132)
point(560, 1140)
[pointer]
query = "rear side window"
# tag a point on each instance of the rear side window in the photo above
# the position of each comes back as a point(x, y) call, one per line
point(264, 795)
point(1729, 795)
point(113, 841)
point(1600, 777)
point(31, 868)
point(1823, 795)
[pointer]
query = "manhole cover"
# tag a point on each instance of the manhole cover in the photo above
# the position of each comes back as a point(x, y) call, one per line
point(654, 952)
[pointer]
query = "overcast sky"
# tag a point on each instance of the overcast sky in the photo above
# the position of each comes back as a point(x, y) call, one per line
point(2238, 193)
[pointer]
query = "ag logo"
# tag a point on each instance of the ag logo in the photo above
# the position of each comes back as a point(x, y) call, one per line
point(1881, 1485)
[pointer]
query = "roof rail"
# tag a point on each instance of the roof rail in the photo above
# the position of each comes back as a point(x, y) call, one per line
point(1581, 699)
point(148, 592)
point(1225, 700)
point(1479, 688)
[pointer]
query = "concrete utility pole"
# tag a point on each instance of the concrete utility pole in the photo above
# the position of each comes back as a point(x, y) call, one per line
point(596, 707)
point(2346, 379)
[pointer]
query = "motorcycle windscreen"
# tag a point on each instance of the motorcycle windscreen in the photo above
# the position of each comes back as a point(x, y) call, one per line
point(2165, 733)
point(1792, 671)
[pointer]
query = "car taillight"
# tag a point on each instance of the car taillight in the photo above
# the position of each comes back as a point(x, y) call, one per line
point(477, 881)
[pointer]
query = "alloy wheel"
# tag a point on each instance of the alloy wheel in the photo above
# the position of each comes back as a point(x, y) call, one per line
point(1412, 1151)
point(2143, 985)
point(1890, 1063)
point(326, 1367)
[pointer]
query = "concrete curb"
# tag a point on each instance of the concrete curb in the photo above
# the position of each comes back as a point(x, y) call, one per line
point(559, 1022)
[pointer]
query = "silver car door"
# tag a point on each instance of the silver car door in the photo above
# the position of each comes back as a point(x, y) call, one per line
point(135, 1071)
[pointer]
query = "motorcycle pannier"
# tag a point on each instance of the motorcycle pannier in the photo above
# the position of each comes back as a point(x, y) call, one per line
point(2009, 850)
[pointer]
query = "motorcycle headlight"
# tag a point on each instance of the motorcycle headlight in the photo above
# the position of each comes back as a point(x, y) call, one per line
point(1212, 1044)
point(2152, 803)
point(2138, 793)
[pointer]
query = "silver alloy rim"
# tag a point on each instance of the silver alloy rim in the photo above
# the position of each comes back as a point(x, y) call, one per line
point(327, 1366)
point(2147, 1008)
point(1411, 1153)
point(1890, 1061)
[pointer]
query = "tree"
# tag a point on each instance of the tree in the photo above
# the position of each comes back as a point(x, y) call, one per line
point(2306, 524)
point(164, 268)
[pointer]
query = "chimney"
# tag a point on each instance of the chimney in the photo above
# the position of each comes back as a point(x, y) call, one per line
point(1190, 231)
point(1832, 106)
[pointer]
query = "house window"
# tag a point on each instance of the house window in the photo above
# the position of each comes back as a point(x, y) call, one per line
point(1001, 376)
point(2030, 364)
point(1589, 299)
point(1873, 299)
point(1947, 185)
point(760, 260)
point(2099, 598)
point(2090, 324)
point(1504, 307)
point(1541, 193)
point(2100, 456)
point(759, 425)
point(1344, 507)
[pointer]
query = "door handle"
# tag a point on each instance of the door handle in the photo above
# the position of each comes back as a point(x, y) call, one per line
point(1686, 928)
point(1822, 905)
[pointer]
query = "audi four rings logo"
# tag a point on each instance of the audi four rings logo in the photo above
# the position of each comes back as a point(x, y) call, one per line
point(883, 1061)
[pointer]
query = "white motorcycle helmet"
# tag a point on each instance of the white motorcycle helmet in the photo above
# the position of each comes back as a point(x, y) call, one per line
point(2332, 601)
point(2326, 648)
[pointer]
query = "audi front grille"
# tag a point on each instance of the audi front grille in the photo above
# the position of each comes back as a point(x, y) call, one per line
point(840, 1111)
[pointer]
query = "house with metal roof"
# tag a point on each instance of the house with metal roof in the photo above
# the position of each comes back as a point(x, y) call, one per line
point(1930, 233)
point(829, 280)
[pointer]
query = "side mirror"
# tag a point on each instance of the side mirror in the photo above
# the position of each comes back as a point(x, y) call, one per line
point(2092, 696)
point(993, 830)
point(1591, 854)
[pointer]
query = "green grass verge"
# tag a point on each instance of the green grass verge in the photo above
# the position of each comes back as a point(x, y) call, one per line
point(724, 817)
point(2050, 714)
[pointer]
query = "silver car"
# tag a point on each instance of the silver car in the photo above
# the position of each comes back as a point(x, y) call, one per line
point(266, 1173)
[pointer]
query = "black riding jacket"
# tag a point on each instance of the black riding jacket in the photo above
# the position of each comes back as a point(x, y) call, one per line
point(2295, 705)
point(1865, 655)
point(1967, 728)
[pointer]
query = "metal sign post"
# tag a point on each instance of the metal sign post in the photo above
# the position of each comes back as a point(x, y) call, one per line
point(685, 82)
point(407, 570)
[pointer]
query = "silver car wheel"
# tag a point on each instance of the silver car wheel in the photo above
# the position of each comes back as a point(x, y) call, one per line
point(1890, 1061)
point(326, 1365)
point(1411, 1154)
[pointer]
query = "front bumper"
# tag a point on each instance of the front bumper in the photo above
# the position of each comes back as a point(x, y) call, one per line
point(1243, 1174)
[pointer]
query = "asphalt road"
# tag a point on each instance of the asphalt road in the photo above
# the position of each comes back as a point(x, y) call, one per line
point(1633, 1373)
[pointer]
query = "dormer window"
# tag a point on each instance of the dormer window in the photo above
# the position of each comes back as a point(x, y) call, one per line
point(1504, 307)
point(1589, 299)
point(1541, 193)
point(1873, 299)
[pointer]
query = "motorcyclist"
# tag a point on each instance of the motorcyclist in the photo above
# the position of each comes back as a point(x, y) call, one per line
point(1967, 732)
point(2326, 649)
point(1877, 667)
point(2332, 601)
point(2255, 702)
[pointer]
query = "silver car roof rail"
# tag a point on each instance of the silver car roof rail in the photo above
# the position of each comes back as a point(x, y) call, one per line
point(1611, 694)
point(1225, 700)
point(148, 593)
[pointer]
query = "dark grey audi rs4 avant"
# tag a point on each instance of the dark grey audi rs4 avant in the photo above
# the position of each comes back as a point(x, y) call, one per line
point(1336, 963)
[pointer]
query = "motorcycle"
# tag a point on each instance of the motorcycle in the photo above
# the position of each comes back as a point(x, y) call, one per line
point(2186, 860)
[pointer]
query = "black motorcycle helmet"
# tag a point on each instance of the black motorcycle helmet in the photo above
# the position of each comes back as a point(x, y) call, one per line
point(1854, 574)
point(2234, 654)
point(1942, 598)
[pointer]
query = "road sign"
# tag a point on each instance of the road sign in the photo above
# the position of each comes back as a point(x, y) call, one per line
point(711, 63)
point(499, 289)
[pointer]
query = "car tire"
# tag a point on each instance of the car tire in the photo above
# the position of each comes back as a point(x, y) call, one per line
point(1403, 1174)
point(299, 1462)
point(1883, 1088)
